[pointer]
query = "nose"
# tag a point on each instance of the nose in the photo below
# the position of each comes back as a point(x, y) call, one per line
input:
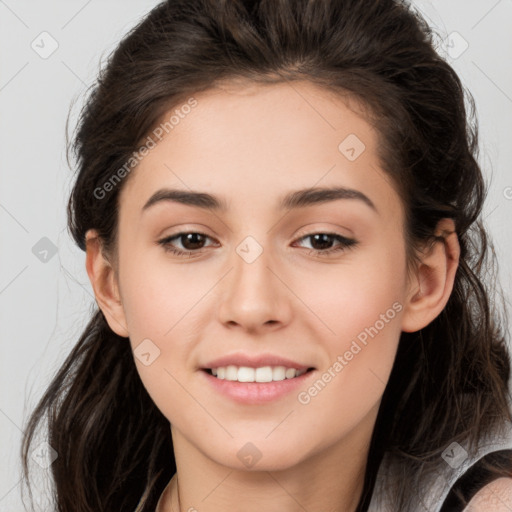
point(254, 296)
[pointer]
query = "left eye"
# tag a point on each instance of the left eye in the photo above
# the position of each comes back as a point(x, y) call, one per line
point(193, 242)
point(324, 239)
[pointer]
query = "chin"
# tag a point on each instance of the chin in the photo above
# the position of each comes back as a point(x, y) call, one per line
point(256, 457)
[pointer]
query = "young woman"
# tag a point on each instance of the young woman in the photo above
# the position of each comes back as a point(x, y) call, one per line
point(280, 207)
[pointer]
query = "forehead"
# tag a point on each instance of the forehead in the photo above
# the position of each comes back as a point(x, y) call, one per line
point(260, 140)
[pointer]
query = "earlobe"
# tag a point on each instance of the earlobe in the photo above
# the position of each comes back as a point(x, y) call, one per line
point(432, 284)
point(102, 277)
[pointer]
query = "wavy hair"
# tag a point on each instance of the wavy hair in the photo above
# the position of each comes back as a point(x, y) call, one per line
point(449, 381)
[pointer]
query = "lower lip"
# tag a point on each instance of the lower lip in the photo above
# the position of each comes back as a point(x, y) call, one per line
point(256, 393)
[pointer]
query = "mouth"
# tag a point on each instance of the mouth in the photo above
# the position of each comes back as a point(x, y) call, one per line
point(256, 385)
point(262, 374)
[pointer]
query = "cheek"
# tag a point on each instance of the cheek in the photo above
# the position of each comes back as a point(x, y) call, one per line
point(358, 365)
point(162, 308)
point(363, 292)
point(360, 359)
point(360, 307)
point(162, 297)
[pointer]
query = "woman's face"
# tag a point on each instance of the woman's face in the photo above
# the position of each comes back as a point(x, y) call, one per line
point(317, 280)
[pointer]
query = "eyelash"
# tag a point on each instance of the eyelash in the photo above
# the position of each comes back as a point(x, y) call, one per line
point(345, 243)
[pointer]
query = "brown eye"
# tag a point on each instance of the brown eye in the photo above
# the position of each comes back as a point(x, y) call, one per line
point(322, 243)
point(191, 243)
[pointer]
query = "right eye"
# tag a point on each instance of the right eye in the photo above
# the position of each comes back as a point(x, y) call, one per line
point(190, 240)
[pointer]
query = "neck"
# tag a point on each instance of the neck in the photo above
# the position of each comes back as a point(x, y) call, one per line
point(331, 479)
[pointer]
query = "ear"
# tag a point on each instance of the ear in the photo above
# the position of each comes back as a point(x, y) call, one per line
point(104, 283)
point(432, 284)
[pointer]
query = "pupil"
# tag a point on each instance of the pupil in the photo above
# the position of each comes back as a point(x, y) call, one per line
point(325, 238)
point(191, 238)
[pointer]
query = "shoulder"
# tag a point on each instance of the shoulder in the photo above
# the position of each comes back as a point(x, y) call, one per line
point(495, 496)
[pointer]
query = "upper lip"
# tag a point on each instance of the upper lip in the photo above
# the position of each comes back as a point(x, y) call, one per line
point(255, 361)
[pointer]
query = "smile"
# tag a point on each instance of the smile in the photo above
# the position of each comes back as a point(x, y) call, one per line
point(261, 374)
point(256, 392)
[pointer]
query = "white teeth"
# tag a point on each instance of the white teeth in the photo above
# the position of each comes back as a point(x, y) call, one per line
point(290, 373)
point(245, 374)
point(262, 374)
point(231, 372)
point(278, 373)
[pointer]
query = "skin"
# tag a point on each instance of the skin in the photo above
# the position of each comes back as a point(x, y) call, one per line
point(496, 496)
point(251, 144)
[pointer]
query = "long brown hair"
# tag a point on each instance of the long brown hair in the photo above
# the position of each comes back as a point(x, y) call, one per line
point(449, 381)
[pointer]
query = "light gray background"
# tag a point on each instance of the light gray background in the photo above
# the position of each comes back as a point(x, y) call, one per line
point(44, 305)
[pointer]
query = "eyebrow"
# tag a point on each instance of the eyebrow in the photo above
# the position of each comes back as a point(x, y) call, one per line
point(296, 199)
